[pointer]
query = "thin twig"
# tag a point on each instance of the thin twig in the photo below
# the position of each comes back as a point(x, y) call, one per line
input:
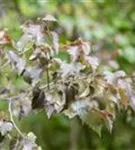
point(4, 65)
point(74, 134)
point(59, 81)
point(21, 53)
point(45, 86)
point(48, 78)
point(9, 136)
point(12, 119)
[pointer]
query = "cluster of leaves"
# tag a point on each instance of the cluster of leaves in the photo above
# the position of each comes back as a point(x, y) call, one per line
point(76, 87)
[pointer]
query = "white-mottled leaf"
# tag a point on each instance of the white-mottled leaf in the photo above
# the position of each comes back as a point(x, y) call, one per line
point(74, 52)
point(28, 143)
point(5, 127)
point(49, 17)
point(32, 75)
point(23, 41)
point(67, 69)
point(86, 48)
point(93, 61)
point(85, 93)
point(54, 103)
point(34, 32)
point(18, 63)
point(21, 106)
point(109, 77)
point(55, 42)
point(120, 73)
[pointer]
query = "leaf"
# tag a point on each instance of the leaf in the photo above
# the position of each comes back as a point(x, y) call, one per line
point(54, 102)
point(18, 63)
point(5, 127)
point(26, 143)
point(93, 61)
point(85, 110)
point(94, 121)
point(81, 86)
point(85, 93)
point(125, 91)
point(4, 38)
point(32, 32)
point(129, 54)
point(79, 108)
point(109, 77)
point(132, 101)
point(3, 92)
point(29, 142)
point(42, 54)
point(31, 29)
point(108, 119)
point(21, 105)
point(99, 87)
point(2, 33)
point(112, 78)
point(55, 41)
point(50, 110)
point(77, 49)
point(113, 64)
point(23, 41)
point(70, 69)
point(69, 113)
point(49, 17)
point(86, 48)
point(124, 97)
point(35, 54)
point(32, 75)
point(109, 124)
point(120, 74)
point(74, 52)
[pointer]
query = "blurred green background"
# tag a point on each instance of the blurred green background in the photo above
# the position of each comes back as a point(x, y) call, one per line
point(109, 25)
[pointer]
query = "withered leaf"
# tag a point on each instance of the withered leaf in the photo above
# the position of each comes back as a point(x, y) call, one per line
point(32, 75)
point(124, 97)
point(93, 61)
point(32, 32)
point(49, 17)
point(108, 119)
point(23, 41)
point(85, 110)
point(5, 127)
point(21, 105)
point(112, 78)
point(55, 41)
point(4, 38)
point(85, 93)
point(86, 48)
point(54, 102)
point(29, 142)
point(67, 69)
point(18, 63)
point(94, 121)
point(74, 52)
